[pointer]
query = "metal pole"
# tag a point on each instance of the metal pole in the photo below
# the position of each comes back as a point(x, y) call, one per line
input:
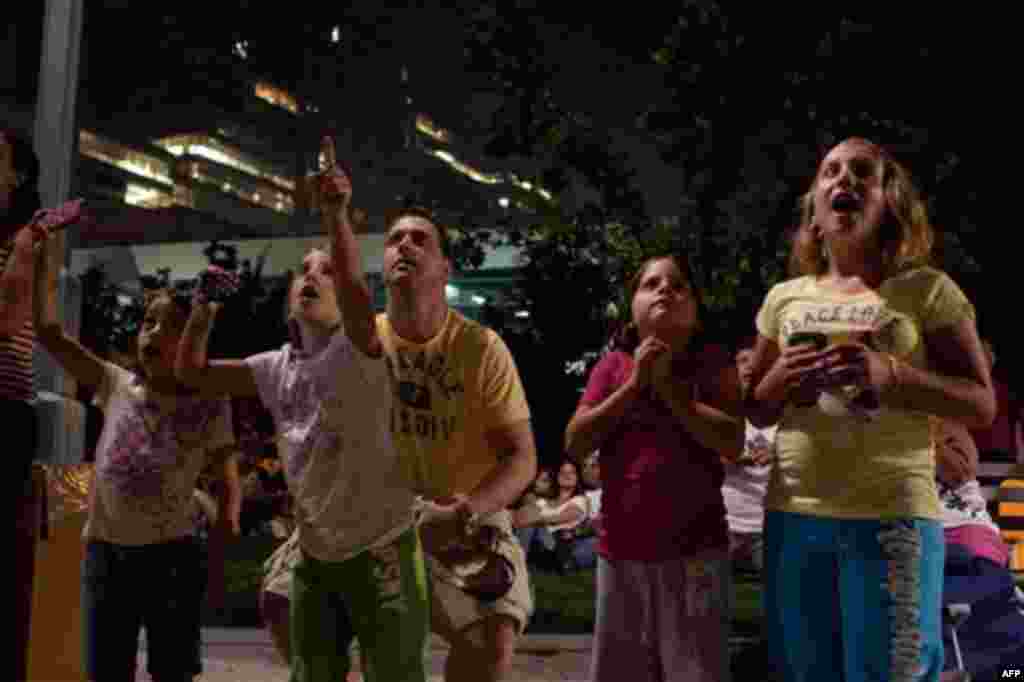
point(55, 132)
point(54, 137)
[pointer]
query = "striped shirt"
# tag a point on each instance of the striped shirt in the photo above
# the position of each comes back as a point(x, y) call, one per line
point(16, 376)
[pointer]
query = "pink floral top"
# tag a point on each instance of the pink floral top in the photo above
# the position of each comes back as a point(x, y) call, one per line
point(148, 459)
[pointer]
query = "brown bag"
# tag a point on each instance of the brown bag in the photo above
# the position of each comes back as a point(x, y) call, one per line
point(477, 564)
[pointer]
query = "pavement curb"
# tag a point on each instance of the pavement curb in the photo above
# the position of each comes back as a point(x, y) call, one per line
point(531, 643)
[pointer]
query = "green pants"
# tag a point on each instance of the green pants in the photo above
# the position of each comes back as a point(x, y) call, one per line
point(380, 596)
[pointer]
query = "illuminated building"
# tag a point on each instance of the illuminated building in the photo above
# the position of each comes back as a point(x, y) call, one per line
point(228, 176)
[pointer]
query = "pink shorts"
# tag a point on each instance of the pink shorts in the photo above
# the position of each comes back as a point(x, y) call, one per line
point(664, 621)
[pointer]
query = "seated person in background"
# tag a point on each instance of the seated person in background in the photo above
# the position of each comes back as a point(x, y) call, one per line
point(746, 482)
point(546, 520)
point(965, 518)
point(583, 544)
point(543, 487)
point(262, 491)
point(992, 637)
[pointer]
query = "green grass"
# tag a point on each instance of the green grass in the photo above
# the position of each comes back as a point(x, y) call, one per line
point(563, 604)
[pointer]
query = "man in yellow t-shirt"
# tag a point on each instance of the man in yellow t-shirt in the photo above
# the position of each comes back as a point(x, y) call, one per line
point(462, 425)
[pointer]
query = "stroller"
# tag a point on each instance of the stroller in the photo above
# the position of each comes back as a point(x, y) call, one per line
point(983, 631)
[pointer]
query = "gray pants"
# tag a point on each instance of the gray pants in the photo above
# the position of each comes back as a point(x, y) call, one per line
point(663, 622)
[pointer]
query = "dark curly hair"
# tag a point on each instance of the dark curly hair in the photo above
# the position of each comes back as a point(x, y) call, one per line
point(25, 199)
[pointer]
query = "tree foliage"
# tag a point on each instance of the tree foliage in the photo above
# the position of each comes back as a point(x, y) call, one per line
point(747, 105)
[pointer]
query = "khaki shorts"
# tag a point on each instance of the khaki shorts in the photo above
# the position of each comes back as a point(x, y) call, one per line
point(448, 601)
point(461, 610)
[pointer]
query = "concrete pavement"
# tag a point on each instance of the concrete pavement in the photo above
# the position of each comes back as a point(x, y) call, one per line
point(247, 655)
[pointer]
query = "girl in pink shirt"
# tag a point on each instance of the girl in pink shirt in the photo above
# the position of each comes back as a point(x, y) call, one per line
point(658, 408)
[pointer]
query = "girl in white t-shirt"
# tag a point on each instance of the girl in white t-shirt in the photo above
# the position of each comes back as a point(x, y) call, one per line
point(361, 571)
point(157, 437)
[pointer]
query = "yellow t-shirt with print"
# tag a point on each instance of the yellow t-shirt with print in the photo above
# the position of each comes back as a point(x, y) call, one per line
point(846, 465)
point(448, 392)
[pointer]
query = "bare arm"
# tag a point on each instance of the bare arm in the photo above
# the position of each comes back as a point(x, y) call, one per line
point(960, 387)
point(516, 469)
point(956, 455)
point(75, 358)
point(218, 377)
point(767, 410)
point(710, 422)
point(354, 294)
point(535, 516)
point(228, 491)
point(16, 285)
point(711, 427)
point(778, 376)
point(590, 426)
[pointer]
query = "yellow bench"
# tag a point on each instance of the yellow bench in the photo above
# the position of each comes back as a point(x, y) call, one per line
point(1011, 519)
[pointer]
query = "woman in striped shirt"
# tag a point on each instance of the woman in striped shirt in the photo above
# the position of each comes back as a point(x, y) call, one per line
point(19, 199)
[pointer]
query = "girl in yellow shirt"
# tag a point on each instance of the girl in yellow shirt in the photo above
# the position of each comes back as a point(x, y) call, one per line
point(853, 355)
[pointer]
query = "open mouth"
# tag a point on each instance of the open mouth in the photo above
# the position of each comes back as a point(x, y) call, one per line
point(846, 202)
point(404, 264)
point(309, 292)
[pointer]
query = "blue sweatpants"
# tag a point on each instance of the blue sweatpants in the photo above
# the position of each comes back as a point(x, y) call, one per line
point(856, 600)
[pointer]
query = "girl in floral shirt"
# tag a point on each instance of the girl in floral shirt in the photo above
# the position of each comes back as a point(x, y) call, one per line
point(156, 439)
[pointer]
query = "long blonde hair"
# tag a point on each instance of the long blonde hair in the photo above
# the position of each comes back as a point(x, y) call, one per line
point(907, 236)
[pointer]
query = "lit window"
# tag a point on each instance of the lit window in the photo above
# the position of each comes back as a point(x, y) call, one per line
point(284, 204)
point(444, 156)
point(503, 202)
point(466, 169)
point(479, 300)
point(336, 34)
point(242, 49)
point(529, 186)
point(427, 127)
point(146, 197)
point(276, 96)
point(209, 148)
point(125, 158)
point(522, 314)
point(451, 292)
